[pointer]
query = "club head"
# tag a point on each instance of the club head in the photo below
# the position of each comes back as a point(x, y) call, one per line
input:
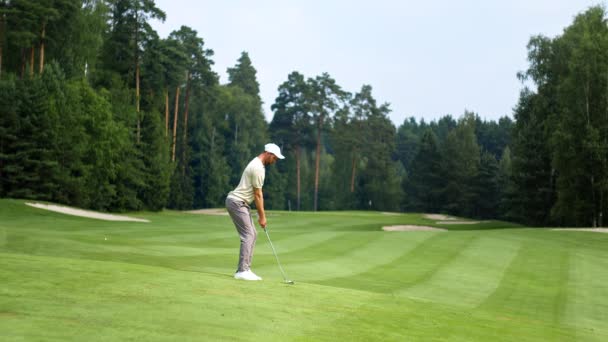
point(290, 282)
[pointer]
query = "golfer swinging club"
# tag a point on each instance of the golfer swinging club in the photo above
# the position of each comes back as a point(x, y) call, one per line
point(237, 203)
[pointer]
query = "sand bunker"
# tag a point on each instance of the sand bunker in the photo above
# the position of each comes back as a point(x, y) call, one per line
point(410, 228)
point(215, 211)
point(445, 219)
point(439, 217)
point(84, 213)
point(597, 230)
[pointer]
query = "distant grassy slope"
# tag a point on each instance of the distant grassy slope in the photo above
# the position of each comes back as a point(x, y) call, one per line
point(70, 278)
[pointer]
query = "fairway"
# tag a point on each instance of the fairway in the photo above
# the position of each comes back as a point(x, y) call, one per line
point(69, 278)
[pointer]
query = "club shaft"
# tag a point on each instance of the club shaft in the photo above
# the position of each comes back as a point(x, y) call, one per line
point(273, 252)
point(275, 255)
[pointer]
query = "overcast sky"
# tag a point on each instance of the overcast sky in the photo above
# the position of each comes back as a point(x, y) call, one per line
point(426, 58)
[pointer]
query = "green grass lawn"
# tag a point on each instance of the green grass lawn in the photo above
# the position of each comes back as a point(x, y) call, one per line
point(70, 278)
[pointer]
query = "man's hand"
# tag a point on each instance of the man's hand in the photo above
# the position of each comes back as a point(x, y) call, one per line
point(262, 221)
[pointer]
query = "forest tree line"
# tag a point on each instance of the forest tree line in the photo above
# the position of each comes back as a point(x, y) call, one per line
point(98, 111)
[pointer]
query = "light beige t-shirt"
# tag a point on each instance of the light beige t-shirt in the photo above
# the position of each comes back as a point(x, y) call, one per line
point(253, 177)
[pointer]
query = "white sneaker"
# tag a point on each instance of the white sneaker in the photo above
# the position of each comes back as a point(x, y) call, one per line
point(246, 275)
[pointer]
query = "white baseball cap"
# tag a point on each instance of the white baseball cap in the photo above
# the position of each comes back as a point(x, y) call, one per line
point(274, 149)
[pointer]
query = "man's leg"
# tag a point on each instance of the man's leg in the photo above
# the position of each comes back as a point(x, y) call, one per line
point(239, 212)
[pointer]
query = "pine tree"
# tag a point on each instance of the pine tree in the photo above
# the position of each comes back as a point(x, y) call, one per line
point(460, 165)
point(532, 174)
point(326, 97)
point(485, 188)
point(425, 182)
point(291, 125)
point(9, 126)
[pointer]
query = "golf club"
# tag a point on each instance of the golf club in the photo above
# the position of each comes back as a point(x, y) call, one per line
point(287, 281)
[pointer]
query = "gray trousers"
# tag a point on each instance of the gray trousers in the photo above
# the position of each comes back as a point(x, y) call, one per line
point(241, 217)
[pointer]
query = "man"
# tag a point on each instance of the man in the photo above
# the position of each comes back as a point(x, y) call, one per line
point(237, 202)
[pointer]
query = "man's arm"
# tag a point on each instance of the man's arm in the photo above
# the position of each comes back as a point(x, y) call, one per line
point(259, 204)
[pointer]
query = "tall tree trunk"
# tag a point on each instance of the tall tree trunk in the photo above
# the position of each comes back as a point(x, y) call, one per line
point(352, 175)
point(175, 123)
point(31, 61)
point(212, 140)
point(604, 157)
point(601, 214)
point(42, 36)
point(1, 159)
point(186, 106)
point(2, 33)
point(23, 62)
point(298, 176)
point(593, 203)
point(317, 162)
point(137, 70)
point(137, 101)
point(166, 112)
point(236, 133)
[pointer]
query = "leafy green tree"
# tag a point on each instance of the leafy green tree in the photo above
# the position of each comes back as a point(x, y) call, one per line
point(34, 171)
point(580, 138)
point(243, 75)
point(20, 25)
point(408, 141)
point(326, 97)
point(442, 127)
point(381, 182)
point(183, 55)
point(67, 133)
point(291, 125)
point(9, 125)
point(129, 176)
point(4, 10)
point(505, 186)
point(242, 107)
point(493, 136)
point(485, 188)
point(123, 49)
point(214, 167)
point(533, 193)
point(53, 15)
point(248, 129)
point(345, 141)
point(75, 40)
point(103, 146)
point(425, 182)
point(460, 164)
point(157, 166)
point(197, 66)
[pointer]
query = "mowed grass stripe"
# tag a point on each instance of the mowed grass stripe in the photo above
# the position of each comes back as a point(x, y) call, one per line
point(264, 261)
point(288, 242)
point(588, 285)
point(333, 244)
point(469, 278)
point(534, 287)
point(413, 267)
point(378, 249)
point(60, 247)
point(47, 298)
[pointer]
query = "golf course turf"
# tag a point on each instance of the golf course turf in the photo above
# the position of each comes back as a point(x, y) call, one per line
point(70, 278)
